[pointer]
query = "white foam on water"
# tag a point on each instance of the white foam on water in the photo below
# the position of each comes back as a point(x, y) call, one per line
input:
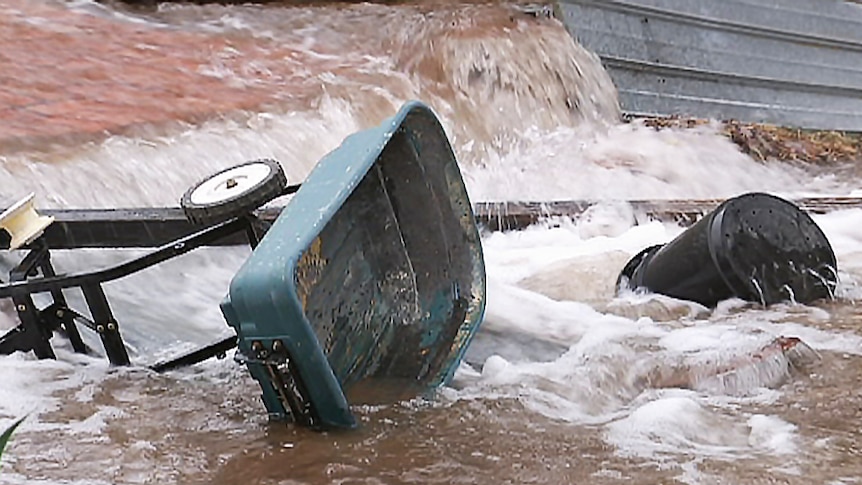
point(674, 421)
point(773, 434)
point(651, 383)
point(157, 170)
point(845, 236)
point(628, 364)
point(632, 161)
point(30, 387)
point(16, 479)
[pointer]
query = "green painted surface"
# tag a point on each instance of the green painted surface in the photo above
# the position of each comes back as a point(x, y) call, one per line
point(372, 274)
point(7, 435)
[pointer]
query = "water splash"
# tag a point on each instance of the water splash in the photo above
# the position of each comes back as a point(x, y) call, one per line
point(829, 285)
point(790, 294)
point(586, 364)
point(759, 290)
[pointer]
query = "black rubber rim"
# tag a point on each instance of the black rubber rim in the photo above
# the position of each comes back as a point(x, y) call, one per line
point(630, 273)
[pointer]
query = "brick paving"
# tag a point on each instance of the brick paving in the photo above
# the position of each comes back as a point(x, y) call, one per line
point(69, 75)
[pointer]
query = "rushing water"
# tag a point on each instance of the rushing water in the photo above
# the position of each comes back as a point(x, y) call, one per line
point(565, 383)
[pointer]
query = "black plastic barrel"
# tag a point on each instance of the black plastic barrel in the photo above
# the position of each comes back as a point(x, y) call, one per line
point(757, 247)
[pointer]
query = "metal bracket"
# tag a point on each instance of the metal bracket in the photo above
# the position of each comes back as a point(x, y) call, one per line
point(35, 274)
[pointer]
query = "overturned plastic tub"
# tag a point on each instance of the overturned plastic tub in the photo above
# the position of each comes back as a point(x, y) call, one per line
point(370, 284)
point(756, 247)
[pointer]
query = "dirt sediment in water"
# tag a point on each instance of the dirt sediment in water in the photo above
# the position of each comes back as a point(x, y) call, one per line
point(764, 142)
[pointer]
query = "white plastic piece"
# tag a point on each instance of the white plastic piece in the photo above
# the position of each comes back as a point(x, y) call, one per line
point(23, 223)
point(230, 184)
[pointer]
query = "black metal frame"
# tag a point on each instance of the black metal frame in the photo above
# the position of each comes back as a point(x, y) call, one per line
point(35, 274)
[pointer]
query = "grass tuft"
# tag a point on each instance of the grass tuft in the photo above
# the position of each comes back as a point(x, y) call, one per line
point(4, 438)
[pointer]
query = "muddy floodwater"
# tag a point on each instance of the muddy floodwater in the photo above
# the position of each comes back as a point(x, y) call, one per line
point(566, 381)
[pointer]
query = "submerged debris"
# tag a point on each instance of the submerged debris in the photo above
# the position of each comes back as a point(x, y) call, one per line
point(736, 374)
point(770, 367)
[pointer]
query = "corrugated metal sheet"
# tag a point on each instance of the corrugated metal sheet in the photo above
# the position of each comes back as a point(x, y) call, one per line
point(788, 62)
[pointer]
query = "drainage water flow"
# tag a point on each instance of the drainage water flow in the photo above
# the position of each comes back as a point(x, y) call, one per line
point(597, 388)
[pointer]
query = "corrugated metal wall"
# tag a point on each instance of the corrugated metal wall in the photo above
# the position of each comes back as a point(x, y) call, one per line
point(788, 62)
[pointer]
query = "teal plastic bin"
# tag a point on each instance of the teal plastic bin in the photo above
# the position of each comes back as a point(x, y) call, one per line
point(370, 284)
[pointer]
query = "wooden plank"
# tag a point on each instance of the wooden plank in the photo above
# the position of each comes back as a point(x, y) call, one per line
point(517, 215)
point(151, 227)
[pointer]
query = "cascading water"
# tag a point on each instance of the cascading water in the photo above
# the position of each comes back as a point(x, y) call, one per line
point(565, 383)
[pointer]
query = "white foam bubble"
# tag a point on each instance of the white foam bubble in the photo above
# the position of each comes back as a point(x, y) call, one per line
point(637, 364)
point(772, 434)
point(675, 422)
point(631, 161)
point(662, 387)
